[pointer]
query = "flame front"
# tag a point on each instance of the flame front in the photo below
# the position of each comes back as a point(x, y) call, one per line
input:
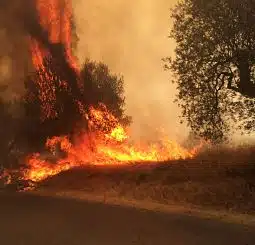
point(107, 142)
point(99, 148)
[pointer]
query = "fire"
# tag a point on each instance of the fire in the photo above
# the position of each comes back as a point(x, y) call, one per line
point(100, 148)
point(118, 133)
point(55, 18)
point(107, 142)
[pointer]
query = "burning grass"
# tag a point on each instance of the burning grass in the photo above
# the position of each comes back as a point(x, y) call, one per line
point(224, 184)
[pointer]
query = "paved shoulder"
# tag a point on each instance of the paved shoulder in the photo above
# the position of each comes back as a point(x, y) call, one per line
point(28, 220)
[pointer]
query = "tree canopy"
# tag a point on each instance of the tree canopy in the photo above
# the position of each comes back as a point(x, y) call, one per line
point(214, 65)
point(101, 86)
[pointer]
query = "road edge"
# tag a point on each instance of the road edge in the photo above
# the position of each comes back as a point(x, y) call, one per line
point(223, 216)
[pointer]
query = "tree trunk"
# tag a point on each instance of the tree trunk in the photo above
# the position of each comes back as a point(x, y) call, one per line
point(246, 86)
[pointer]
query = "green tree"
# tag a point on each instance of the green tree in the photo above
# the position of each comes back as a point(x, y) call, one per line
point(101, 86)
point(214, 65)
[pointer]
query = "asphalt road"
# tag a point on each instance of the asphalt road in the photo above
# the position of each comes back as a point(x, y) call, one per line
point(27, 220)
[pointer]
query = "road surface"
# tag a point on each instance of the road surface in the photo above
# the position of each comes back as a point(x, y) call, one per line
point(33, 220)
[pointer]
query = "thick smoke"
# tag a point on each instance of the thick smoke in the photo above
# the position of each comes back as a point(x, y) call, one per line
point(132, 38)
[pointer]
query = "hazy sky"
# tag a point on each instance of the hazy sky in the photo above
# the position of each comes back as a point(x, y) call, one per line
point(132, 38)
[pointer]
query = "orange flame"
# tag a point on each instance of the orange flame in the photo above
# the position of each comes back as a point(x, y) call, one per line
point(55, 18)
point(100, 148)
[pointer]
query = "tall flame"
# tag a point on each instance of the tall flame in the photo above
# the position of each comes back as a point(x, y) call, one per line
point(55, 18)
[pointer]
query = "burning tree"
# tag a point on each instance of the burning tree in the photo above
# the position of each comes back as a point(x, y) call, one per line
point(215, 65)
point(99, 87)
point(59, 93)
point(49, 102)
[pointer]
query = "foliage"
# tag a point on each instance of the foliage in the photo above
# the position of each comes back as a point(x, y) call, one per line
point(101, 86)
point(215, 65)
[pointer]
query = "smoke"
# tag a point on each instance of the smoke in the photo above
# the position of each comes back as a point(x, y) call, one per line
point(14, 53)
point(132, 38)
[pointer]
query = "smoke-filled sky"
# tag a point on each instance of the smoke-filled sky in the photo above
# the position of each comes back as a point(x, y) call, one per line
point(132, 38)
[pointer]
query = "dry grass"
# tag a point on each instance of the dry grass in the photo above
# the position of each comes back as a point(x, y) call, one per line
point(217, 179)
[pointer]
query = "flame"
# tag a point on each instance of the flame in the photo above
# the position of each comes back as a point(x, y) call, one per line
point(118, 134)
point(100, 148)
point(107, 142)
point(55, 18)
